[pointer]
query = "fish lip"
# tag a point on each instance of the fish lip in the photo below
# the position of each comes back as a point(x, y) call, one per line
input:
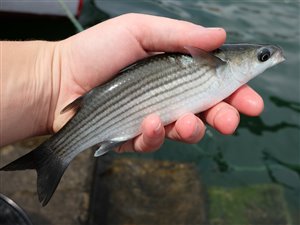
point(281, 57)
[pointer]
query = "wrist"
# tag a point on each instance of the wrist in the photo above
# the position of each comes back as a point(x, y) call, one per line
point(29, 78)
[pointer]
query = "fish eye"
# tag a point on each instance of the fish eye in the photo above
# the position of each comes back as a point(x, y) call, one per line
point(264, 55)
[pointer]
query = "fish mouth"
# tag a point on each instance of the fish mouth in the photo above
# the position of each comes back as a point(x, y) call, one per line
point(281, 58)
point(279, 55)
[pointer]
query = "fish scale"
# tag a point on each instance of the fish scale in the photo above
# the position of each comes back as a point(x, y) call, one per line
point(123, 98)
point(168, 84)
point(132, 118)
point(100, 112)
point(120, 115)
point(137, 101)
point(161, 95)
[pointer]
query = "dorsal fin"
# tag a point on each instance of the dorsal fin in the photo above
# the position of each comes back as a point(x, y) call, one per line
point(204, 57)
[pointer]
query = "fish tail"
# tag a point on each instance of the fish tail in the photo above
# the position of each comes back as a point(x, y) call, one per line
point(49, 167)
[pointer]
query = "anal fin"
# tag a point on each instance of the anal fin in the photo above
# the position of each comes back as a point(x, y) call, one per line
point(76, 104)
point(107, 146)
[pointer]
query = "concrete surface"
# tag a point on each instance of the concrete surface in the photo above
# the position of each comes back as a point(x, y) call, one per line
point(69, 204)
point(126, 190)
point(144, 191)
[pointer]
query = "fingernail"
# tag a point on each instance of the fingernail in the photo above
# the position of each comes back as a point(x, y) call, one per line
point(215, 28)
point(196, 131)
point(157, 130)
point(193, 123)
point(226, 120)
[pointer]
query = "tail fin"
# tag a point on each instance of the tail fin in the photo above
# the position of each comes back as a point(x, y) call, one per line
point(49, 167)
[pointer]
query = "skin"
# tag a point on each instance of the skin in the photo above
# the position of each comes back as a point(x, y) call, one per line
point(39, 78)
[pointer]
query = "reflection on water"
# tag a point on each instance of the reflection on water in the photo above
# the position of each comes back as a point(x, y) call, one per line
point(290, 166)
point(220, 161)
point(257, 126)
point(274, 179)
point(270, 165)
point(295, 106)
point(270, 170)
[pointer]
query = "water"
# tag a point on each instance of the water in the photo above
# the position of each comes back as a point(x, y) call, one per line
point(264, 149)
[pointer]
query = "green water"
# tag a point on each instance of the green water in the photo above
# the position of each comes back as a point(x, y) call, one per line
point(264, 149)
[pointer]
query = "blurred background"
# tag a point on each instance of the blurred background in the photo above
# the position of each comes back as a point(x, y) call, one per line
point(251, 177)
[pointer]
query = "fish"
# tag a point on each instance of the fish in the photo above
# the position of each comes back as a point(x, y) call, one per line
point(167, 84)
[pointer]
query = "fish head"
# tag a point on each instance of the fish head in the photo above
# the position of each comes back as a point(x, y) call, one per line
point(245, 61)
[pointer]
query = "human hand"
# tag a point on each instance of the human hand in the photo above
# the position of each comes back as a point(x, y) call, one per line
point(92, 57)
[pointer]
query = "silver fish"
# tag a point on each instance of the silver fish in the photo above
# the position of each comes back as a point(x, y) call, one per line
point(168, 85)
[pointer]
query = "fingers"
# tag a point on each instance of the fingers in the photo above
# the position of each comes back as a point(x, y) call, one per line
point(189, 129)
point(152, 137)
point(246, 101)
point(223, 117)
